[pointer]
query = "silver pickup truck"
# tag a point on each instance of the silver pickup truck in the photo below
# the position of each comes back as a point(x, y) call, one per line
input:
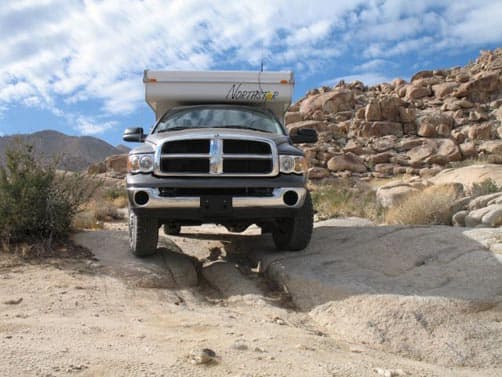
point(221, 160)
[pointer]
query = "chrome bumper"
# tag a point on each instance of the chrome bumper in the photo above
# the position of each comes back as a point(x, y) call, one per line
point(274, 201)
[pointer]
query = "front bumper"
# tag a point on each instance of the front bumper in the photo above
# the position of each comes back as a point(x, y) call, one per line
point(281, 198)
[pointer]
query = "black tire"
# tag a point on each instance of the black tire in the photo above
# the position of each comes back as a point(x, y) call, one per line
point(143, 235)
point(294, 233)
point(172, 229)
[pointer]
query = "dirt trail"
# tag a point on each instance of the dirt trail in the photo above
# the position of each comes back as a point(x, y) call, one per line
point(112, 318)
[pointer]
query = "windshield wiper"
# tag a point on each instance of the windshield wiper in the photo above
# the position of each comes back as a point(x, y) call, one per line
point(246, 128)
point(178, 128)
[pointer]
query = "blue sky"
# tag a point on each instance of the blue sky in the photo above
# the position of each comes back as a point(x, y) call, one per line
point(76, 66)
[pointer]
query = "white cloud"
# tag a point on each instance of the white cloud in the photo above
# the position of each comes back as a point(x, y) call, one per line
point(57, 53)
point(89, 126)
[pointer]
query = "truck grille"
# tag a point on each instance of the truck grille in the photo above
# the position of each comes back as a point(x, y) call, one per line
point(217, 156)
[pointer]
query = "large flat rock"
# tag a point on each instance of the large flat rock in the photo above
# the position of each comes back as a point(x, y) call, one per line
point(167, 268)
point(344, 260)
point(428, 293)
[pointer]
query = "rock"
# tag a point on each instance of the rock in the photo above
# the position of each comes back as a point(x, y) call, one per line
point(483, 200)
point(386, 169)
point(390, 108)
point(316, 125)
point(318, 173)
point(389, 372)
point(203, 356)
point(240, 345)
point(380, 158)
point(467, 149)
point(293, 117)
point(347, 161)
point(372, 111)
point(13, 302)
point(388, 197)
point(407, 114)
point(353, 146)
point(416, 92)
point(449, 150)
point(434, 124)
point(378, 129)
point(117, 164)
point(442, 90)
point(419, 154)
point(384, 143)
point(228, 280)
point(422, 75)
point(491, 147)
point(493, 217)
point(339, 99)
point(480, 132)
point(473, 218)
point(478, 88)
point(458, 218)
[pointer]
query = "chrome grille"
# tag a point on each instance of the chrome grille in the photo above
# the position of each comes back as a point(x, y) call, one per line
point(217, 155)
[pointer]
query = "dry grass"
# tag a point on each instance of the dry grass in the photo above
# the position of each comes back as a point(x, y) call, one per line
point(346, 198)
point(432, 206)
point(102, 207)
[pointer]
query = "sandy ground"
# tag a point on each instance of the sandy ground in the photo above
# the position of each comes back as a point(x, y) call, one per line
point(109, 317)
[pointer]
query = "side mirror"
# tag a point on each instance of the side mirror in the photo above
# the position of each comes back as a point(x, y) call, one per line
point(134, 135)
point(304, 135)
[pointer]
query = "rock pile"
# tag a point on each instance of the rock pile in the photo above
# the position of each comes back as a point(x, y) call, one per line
point(114, 166)
point(418, 128)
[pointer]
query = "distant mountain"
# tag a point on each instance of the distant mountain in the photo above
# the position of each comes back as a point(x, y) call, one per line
point(76, 153)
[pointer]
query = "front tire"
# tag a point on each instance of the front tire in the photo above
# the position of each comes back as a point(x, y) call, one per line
point(294, 233)
point(143, 235)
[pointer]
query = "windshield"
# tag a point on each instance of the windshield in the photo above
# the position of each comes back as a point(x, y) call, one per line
point(219, 117)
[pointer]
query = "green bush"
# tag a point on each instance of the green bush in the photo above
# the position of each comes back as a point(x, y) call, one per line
point(488, 186)
point(36, 201)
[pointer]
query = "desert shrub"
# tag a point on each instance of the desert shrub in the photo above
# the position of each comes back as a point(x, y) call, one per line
point(488, 186)
point(431, 206)
point(36, 201)
point(345, 198)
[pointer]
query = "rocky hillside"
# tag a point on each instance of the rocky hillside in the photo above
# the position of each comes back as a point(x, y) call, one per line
point(76, 152)
point(416, 127)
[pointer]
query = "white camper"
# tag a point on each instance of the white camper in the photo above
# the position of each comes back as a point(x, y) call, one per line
point(167, 89)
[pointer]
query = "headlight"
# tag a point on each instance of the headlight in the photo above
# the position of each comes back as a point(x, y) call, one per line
point(140, 163)
point(292, 164)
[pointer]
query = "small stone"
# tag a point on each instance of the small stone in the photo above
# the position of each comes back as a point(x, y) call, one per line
point(203, 356)
point(240, 345)
point(259, 349)
point(13, 302)
point(279, 321)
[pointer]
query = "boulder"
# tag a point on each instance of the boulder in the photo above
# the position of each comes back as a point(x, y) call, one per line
point(390, 108)
point(468, 175)
point(493, 217)
point(347, 161)
point(293, 117)
point(339, 99)
point(419, 154)
point(390, 196)
point(449, 150)
point(434, 124)
point(378, 129)
point(317, 125)
point(97, 168)
point(442, 90)
point(491, 147)
point(414, 92)
point(384, 143)
point(318, 173)
point(372, 111)
point(480, 131)
point(422, 75)
point(117, 164)
point(458, 219)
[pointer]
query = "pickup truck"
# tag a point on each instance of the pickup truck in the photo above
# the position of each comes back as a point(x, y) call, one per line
point(218, 153)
